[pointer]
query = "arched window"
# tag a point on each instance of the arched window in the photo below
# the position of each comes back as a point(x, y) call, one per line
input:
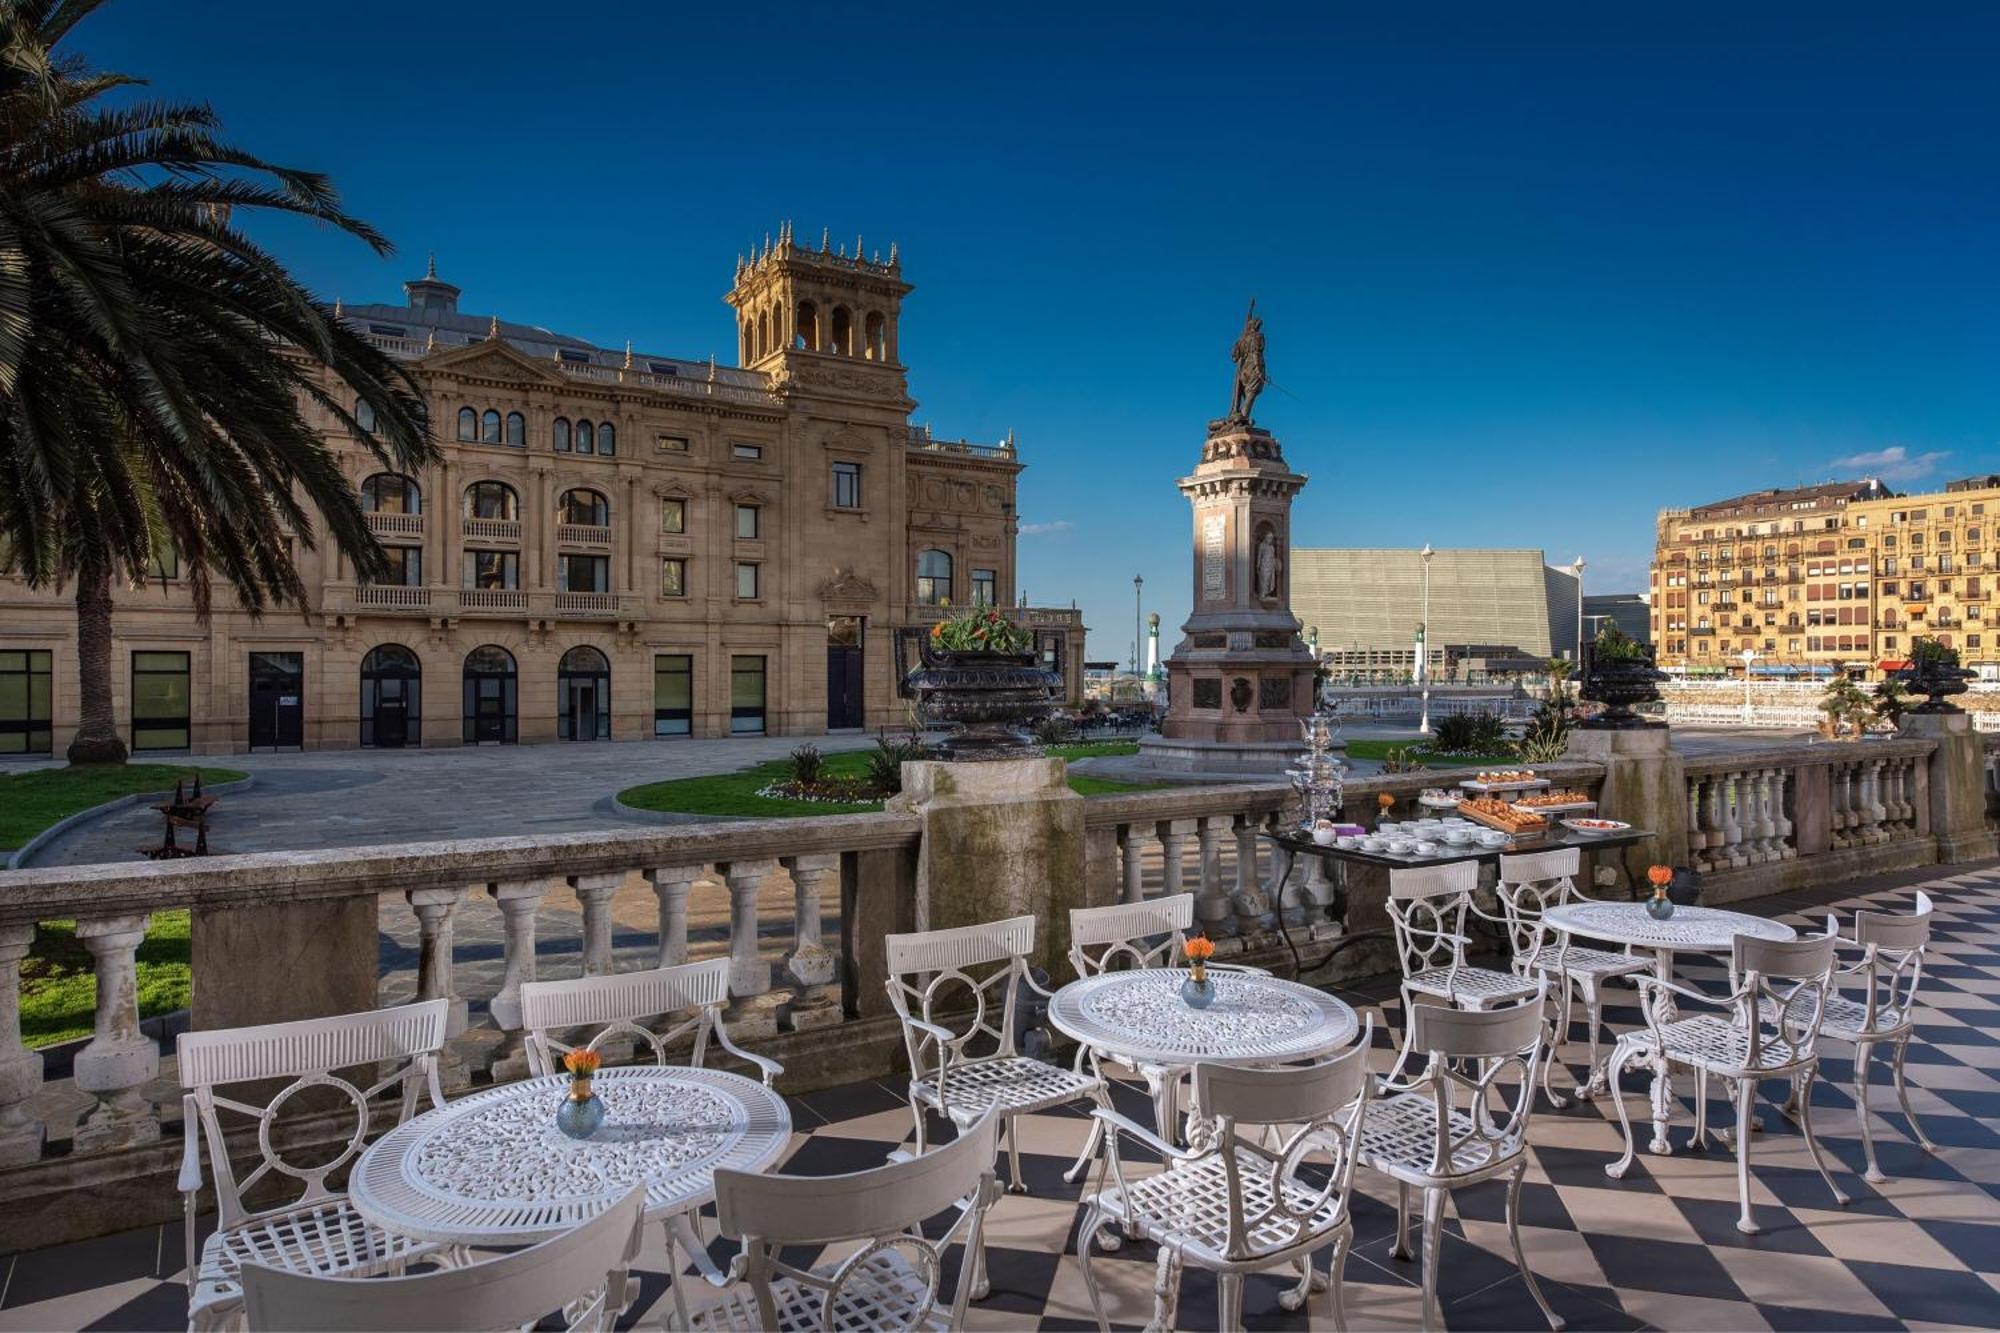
point(489, 427)
point(586, 438)
point(559, 435)
point(492, 499)
point(607, 439)
point(468, 424)
point(517, 431)
point(807, 335)
point(875, 332)
point(490, 696)
point(583, 696)
point(763, 333)
point(364, 414)
point(584, 507)
point(843, 331)
point(391, 493)
point(391, 697)
point(933, 578)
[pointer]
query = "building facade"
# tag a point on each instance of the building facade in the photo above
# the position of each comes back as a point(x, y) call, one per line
point(614, 546)
point(1626, 610)
point(1491, 611)
point(1839, 576)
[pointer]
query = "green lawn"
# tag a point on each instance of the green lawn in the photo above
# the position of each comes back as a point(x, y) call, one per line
point(1380, 750)
point(736, 793)
point(31, 801)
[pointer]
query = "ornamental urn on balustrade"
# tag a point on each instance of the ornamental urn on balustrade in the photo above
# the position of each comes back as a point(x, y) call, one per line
point(1618, 673)
point(979, 675)
point(1933, 672)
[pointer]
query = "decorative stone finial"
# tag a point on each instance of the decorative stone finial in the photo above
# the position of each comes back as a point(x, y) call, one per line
point(431, 268)
point(825, 240)
point(892, 254)
point(431, 340)
point(628, 354)
point(493, 328)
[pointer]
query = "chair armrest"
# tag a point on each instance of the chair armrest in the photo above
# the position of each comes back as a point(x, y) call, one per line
point(1124, 1124)
point(771, 1069)
point(190, 1177)
point(1646, 983)
point(944, 1036)
point(1035, 986)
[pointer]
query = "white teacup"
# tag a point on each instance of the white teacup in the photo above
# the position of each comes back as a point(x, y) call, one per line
point(1494, 839)
point(1372, 844)
point(1424, 849)
point(1458, 837)
point(1387, 827)
point(1401, 846)
point(1346, 840)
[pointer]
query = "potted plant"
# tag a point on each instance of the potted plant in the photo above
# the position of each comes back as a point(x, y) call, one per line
point(980, 675)
point(1618, 672)
point(1933, 672)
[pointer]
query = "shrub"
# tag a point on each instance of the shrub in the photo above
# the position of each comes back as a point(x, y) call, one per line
point(1545, 739)
point(1469, 733)
point(1401, 759)
point(885, 766)
point(808, 765)
point(1054, 730)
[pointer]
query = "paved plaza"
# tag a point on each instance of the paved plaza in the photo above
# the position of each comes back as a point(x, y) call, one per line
point(1658, 1249)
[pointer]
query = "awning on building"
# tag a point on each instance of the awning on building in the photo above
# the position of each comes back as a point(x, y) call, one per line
point(1891, 664)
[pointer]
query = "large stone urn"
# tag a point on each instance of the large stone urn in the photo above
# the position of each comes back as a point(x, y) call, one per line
point(992, 698)
point(1936, 680)
point(1618, 683)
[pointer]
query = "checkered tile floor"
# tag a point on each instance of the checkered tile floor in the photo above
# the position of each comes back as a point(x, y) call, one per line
point(1658, 1249)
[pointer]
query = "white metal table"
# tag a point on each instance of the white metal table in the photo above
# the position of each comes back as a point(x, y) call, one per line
point(1688, 930)
point(491, 1169)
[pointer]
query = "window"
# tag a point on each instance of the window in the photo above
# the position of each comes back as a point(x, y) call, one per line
point(559, 435)
point(492, 571)
point(517, 431)
point(673, 576)
point(586, 438)
point(391, 493)
point(405, 568)
point(166, 561)
point(847, 485)
point(583, 573)
point(491, 499)
point(607, 439)
point(673, 514)
point(985, 587)
point(748, 527)
point(468, 424)
point(160, 695)
point(673, 694)
point(25, 694)
point(745, 450)
point(747, 581)
point(673, 444)
point(933, 578)
point(584, 508)
point(489, 427)
point(746, 696)
point(364, 414)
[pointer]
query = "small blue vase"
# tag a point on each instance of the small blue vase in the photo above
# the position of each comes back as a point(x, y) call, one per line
point(1198, 993)
point(580, 1119)
point(1660, 907)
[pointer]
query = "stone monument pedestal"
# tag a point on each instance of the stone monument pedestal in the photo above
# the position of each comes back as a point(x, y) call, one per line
point(1644, 785)
point(1957, 785)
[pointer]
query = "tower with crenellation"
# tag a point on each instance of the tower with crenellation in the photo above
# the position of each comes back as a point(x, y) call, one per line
point(823, 320)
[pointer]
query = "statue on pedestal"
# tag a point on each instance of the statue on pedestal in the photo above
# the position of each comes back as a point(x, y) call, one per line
point(1248, 354)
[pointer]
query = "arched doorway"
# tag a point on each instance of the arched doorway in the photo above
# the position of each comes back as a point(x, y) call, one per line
point(491, 696)
point(583, 696)
point(392, 708)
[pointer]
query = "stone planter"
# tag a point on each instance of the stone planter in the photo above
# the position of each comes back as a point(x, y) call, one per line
point(1936, 682)
point(1618, 684)
point(992, 698)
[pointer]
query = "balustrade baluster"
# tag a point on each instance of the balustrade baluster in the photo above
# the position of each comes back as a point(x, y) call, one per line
point(809, 962)
point(1838, 799)
point(1173, 841)
point(1713, 820)
point(1868, 809)
point(1132, 843)
point(1732, 822)
point(20, 1068)
point(120, 1059)
point(749, 974)
point(671, 885)
point(1781, 824)
point(594, 893)
point(435, 910)
point(1766, 827)
point(1245, 828)
point(519, 901)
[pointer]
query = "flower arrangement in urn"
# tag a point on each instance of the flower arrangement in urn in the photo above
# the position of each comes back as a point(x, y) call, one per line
point(581, 1111)
point(979, 673)
point(1660, 907)
point(1198, 991)
point(1933, 672)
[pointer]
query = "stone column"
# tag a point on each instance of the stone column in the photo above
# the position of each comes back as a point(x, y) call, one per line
point(20, 1068)
point(809, 962)
point(120, 1060)
point(1956, 789)
point(1645, 786)
point(671, 885)
point(595, 892)
point(519, 901)
point(749, 974)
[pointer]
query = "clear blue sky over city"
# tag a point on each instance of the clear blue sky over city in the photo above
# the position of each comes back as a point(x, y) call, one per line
point(1528, 271)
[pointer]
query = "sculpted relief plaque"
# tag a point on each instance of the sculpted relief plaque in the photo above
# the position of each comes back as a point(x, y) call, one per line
point(1214, 554)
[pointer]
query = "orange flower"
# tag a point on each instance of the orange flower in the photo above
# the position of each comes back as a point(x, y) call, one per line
point(1660, 876)
point(1199, 949)
point(581, 1064)
point(1385, 800)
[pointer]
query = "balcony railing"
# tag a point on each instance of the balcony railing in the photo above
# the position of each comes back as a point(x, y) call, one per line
point(491, 529)
point(395, 525)
point(584, 534)
point(381, 600)
point(492, 601)
point(392, 597)
point(591, 603)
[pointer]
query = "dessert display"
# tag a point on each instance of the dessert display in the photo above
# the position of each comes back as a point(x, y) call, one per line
point(1504, 779)
point(1502, 815)
point(1547, 801)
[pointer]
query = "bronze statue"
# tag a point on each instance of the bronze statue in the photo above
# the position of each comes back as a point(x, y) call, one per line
point(1248, 354)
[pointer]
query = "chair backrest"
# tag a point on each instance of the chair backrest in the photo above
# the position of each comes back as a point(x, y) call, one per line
point(614, 1004)
point(1891, 966)
point(1427, 908)
point(1322, 1107)
point(1471, 1054)
point(1101, 938)
point(580, 1273)
point(885, 1206)
point(1784, 984)
point(987, 960)
point(1530, 884)
point(308, 1052)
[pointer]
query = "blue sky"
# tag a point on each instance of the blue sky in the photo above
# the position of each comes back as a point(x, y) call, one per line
point(1528, 272)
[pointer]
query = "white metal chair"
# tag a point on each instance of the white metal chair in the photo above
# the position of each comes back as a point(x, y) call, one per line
point(1236, 1204)
point(318, 1233)
point(894, 1280)
point(615, 1004)
point(581, 1273)
point(1890, 968)
point(1428, 906)
point(1150, 933)
point(1770, 1029)
point(944, 1074)
point(1530, 884)
point(1443, 1130)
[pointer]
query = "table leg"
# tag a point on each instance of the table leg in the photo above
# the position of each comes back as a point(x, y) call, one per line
point(1663, 1083)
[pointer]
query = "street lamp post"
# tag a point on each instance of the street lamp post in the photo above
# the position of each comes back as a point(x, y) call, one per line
point(1138, 620)
point(1577, 569)
point(1749, 655)
point(1424, 645)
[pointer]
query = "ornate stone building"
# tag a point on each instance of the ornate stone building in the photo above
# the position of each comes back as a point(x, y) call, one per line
point(615, 545)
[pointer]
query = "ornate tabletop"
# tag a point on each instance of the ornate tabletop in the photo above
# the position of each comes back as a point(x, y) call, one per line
point(492, 1169)
point(1139, 1016)
point(1689, 929)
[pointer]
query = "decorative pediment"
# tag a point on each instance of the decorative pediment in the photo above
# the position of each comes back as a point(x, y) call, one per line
point(847, 586)
point(493, 360)
point(672, 490)
point(747, 496)
point(849, 441)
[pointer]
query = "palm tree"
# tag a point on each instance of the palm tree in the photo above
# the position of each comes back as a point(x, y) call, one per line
point(156, 364)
